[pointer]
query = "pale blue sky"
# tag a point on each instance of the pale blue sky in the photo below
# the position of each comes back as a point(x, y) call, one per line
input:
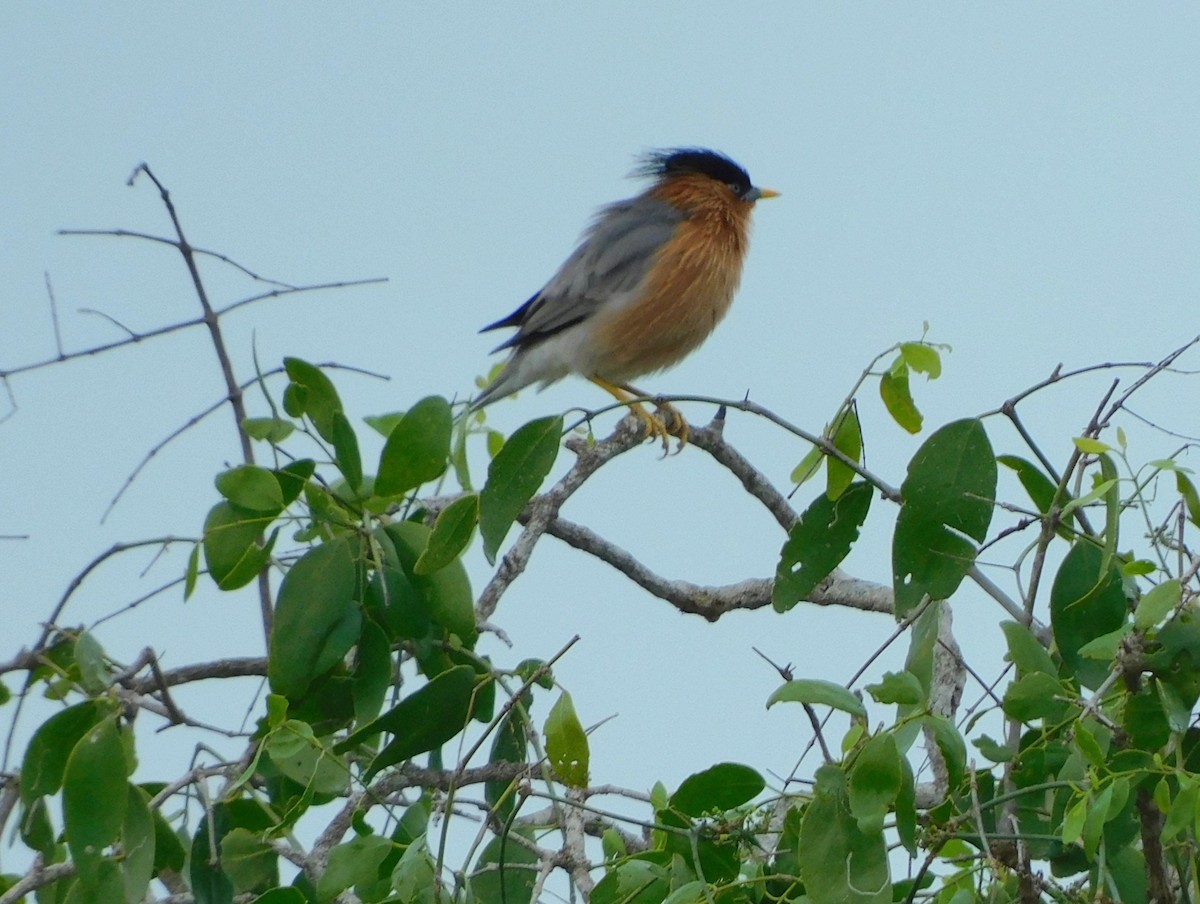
point(1023, 176)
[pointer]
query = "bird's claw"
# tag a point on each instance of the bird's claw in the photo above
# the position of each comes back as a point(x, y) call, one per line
point(665, 422)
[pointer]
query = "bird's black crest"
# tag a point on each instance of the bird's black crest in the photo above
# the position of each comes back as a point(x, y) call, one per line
point(677, 161)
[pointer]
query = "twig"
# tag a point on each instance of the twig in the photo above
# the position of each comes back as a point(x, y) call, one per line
point(58, 344)
point(817, 733)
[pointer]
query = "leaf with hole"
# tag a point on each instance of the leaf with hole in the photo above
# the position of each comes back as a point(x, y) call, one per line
point(46, 756)
point(566, 743)
point(948, 497)
point(95, 795)
point(922, 358)
point(818, 542)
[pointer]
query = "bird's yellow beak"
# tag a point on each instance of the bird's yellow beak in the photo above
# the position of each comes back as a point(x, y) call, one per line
point(767, 193)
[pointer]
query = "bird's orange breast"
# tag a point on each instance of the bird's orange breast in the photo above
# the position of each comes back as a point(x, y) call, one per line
point(688, 289)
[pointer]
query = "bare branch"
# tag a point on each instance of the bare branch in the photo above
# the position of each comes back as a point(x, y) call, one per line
point(58, 344)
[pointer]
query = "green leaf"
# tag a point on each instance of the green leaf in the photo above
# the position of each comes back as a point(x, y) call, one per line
point(898, 687)
point(875, 779)
point(1089, 746)
point(847, 439)
point(137, 845)
point(717, 789)
point(418, 448)
point(452, 533)
point(192, 574)
point(1191, 500)
point(384, 424)
point(252, 488)
point(1155, 605)
point(168, 849)
point(1085, 603)
point(922, 358)
point(809, 465)
point(372, 672)
point(293, 477)
point(345, 451)
point(311, 393)
point(906, 808)
point(1093, 822)
point(566, 743)
point(818, 542)
point(1176, 703)
point(248, 860)
point(1105, 646)
point(273, 430)
point(514, 475)
point(1145, 720)
point(93, 667)
point(37, 832)
point(504, 873)
point(1072, 827)
point(1025, 651)
point(1100, 490)
point(1182, 814)
point(994, 750)
point(231, 551)
point(818, 693)
point(95, 795)
point(354, 861)
point(103, 886)
point(1041, 489)
point(306, 759)
point(46, 756)
point(839, 863)
point(422, 721)
point(631, 882)
point(951, 745)
point(413, 877)
point(1033, 697)
point(1091, 446)
point(316, 618)
point(281, 896)
point(209, 883)
point(688, 893)
point(445, 593)
point(947, 503)
point(509, 746)
point(898, 400)
point(1112, 509)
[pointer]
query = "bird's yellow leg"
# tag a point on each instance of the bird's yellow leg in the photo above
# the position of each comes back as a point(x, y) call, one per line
point(667, 420)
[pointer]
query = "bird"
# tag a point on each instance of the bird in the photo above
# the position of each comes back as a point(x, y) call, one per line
point(650, 279)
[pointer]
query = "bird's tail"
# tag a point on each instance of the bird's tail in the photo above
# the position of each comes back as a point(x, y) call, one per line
point(509, 380)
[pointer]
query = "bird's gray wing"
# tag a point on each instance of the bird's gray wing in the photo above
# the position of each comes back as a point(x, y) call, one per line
point(613, 258)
